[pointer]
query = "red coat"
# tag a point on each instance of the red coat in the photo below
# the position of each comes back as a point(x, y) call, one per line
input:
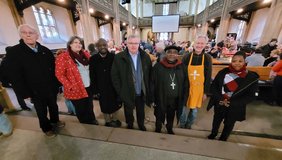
point(68, 74)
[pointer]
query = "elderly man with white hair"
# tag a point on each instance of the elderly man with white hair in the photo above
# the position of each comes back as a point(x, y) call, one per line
point(32, 73)
point(199, 66)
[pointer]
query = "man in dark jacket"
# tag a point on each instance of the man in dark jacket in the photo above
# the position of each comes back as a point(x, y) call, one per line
point(269, 47)
point(130, 76)
point(32, 73)
point(169, 85)
point(100, 66)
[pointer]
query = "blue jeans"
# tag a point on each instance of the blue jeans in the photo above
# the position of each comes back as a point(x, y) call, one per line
point(188, 117)
point(5, 124)
point(70, 106)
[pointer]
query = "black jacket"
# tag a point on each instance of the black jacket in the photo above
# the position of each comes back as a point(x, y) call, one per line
point(101, 81)
point(267, 50)
point(122, 77)
point(31, 73)
point(159, 90)
point(240, 98)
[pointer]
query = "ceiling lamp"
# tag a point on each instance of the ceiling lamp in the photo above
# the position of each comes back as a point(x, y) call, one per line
point(212, 20)
point(133, 27)
point(199, 25)
point(61, 1)
point(240, 10)
point(107, 16)
point(91, 10)
point(266, 1)
point(123, 23)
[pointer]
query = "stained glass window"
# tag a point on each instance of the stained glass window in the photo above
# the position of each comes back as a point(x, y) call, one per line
point(46, 22)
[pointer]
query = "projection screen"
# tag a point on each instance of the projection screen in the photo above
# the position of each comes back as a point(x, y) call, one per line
point(168, 23)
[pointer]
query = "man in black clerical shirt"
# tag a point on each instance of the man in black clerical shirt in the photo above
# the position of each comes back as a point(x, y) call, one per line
point(169, 88)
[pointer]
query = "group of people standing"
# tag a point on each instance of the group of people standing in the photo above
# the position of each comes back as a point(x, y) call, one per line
point(174, 87)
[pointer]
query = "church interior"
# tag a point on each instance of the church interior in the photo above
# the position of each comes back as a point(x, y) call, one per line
point(236, 23)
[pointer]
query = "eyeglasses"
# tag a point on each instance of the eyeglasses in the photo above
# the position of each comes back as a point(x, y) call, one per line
point(26, 33)
point(131, 43)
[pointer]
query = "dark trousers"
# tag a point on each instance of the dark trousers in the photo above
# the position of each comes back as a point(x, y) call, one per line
point(140, 112)
point(167, 112)
point(20, 100)
point(44, 102)
point(277, 87)
point(84, 108)
point(220, 114)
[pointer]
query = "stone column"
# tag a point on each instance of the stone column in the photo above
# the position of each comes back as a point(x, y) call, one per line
point(190, 7)
point(205, 24)
point(116, 24)
point(137, 31)
point(194, 28)
point(273, 24)
point(18, 19)
point(153, 8)
point(224, 22)
point(247, 29)
point(196, 10)
point(137, 12)
point(129, 27)
point(142, 10)
point(193, 32)
point(85, 18)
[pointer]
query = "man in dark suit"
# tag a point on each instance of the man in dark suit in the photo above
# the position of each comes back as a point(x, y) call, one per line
point(100, 66)
point(130, 76)
point(31, 69)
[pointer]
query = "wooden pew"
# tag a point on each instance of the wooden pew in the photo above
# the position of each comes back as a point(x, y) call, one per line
point(263, 72)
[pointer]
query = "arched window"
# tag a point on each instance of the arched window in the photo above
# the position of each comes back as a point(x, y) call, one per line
point(164, 36)
point(46, 23)
point(105, 31)
point(241, 29)
point(165, 9)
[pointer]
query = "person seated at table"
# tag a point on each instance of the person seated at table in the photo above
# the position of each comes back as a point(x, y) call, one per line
point(248, 51)
point(256, 59)
point(273, 57)
point(215, 52)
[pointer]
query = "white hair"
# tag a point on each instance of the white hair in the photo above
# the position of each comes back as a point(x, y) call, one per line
point(26, 25)
point(160, 45)
point(202, 36)
point(133, 36)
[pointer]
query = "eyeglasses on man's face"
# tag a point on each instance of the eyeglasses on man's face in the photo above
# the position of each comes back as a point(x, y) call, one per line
point(27, 33)
point(132, 43)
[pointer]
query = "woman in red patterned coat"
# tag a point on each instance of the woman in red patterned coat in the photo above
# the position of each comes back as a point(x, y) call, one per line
point(72, 70)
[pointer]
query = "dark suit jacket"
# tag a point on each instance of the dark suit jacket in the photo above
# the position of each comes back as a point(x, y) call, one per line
point(122, 76)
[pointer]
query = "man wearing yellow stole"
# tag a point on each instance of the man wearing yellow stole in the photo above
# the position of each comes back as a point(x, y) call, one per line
point(199, 66)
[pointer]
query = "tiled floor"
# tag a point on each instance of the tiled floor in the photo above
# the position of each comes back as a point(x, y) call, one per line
point(262, 120)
